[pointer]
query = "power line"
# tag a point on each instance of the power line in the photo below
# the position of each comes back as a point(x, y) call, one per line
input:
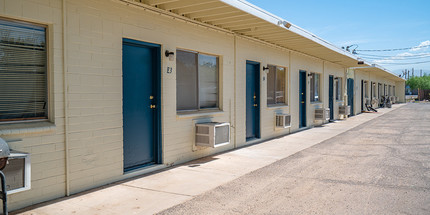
point(406, 63)
point(412, 55)
point(396, 58)
point(387, 50)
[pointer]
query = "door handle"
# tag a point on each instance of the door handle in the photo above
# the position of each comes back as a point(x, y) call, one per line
point(255, 105)
point(152, 106)
point(303, 102)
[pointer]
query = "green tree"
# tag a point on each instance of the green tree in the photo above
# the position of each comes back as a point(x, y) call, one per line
point(420, 83)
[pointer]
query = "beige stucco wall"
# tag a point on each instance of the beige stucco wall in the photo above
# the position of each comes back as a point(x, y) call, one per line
point(371, 77)
point(265, 55)
point(96, 30)
point(94, 33)
point(336, 71)
point(45, 141)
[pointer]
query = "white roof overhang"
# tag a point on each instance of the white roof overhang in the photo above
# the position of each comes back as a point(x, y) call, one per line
point(243, 18)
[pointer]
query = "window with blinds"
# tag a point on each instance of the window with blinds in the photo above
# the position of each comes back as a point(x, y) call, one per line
point(315, 87)
point(23, 66)
point(196, 81)
point(276, 85)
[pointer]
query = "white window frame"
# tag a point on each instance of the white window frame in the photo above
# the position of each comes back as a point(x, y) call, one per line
point(47, 108)
point(198, 93)
point(315, 91)
point(339, 88)
point(275, 87)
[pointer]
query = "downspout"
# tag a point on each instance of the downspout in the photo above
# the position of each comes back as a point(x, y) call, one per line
point(344, 86)
point(66, 99)
point(235, 92)
point(289, 87)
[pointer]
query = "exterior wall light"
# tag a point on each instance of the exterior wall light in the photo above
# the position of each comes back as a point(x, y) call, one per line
point(265, 68)
point(284, 23)
point(170, 55)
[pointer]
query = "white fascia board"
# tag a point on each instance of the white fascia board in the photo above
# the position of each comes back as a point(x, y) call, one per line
point(271, 18)
point(384, 69)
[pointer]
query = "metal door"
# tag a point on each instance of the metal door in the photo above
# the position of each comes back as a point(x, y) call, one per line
point(252, 100)
point(141, 119)
point(330, 96)
point(350, 89)
point(362, 95)
point(302, 99)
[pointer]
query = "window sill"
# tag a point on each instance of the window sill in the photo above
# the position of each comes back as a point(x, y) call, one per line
point(316, 103)
point(191, 114)
point(277, 106)
point(339, 101)
point(25, 128)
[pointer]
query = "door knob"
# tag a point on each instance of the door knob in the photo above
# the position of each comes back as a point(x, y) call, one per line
point(255, 105)
point(152, 106)
point(303, 102)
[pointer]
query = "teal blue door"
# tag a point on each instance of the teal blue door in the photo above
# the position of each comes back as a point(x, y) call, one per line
point(140, 104)
point(302, 99)
point(362, 95)
point(350, 92)
point(330, 96)
point(252, 100)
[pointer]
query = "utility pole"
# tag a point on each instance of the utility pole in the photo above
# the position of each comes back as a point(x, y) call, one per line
point(413, 72)
point(421, 73)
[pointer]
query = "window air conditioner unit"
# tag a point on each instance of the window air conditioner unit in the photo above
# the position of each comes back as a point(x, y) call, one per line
point(393, 99)
point(322, 114)
point(212, 134)
point(18, 172)
point(283, 120)
point(345, 110)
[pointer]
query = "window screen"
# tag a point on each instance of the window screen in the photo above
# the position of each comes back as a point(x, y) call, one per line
point(379, 90)
point(315, 87)
point(366, 89)
point(186, 80)
point(339, 88)
point(373, 89)
point(23, 76)
point(196, 81)
point(208, 81)
point(276, 85)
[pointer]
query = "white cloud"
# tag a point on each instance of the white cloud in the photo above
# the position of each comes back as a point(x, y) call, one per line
point(383, 61)
point(405, 54)
point(425, 43)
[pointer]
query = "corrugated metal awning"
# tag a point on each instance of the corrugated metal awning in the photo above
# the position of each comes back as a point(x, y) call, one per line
point(242, 18)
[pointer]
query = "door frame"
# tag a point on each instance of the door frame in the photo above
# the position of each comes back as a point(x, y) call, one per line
point(331, 92)
point(156, 51)
point(257, 92)
point(304, 113)
point(350, 85)
point(362, 95)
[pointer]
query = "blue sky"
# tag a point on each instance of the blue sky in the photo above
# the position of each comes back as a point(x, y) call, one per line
point(377, 24)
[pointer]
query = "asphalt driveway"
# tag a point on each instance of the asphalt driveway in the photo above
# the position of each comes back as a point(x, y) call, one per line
point(379, 167)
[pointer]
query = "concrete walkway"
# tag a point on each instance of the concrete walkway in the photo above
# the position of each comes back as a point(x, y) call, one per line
point(154, 193)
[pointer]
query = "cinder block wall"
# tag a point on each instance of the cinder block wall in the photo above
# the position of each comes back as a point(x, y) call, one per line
point(94, 33)
point(44, 141)
point(265, 55)
point(337, 71)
